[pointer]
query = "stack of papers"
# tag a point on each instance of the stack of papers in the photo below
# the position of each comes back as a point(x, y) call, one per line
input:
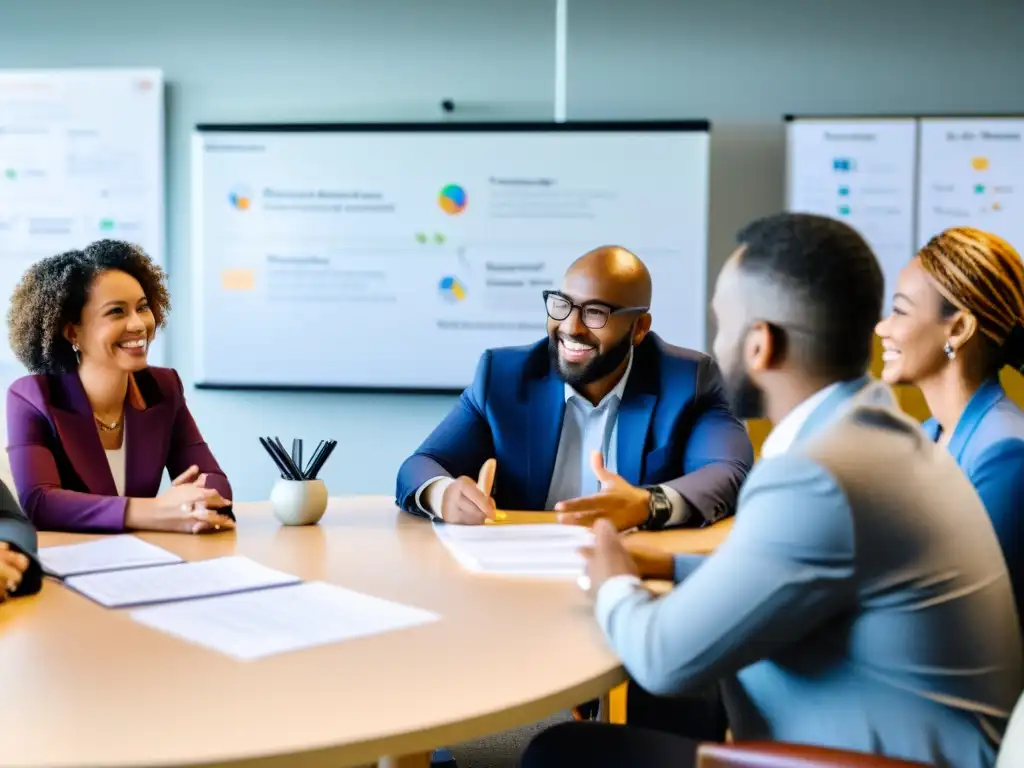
point(113, 553)
point(255, 625)
point(232, 605)
point(549, 550)
point(184, 581)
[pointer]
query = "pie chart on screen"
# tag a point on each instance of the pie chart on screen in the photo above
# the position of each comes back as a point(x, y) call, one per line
point(452, 199)
point(452, 291)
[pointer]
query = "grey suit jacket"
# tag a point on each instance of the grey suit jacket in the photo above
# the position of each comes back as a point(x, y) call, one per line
point(861, 600)
point(16, 530)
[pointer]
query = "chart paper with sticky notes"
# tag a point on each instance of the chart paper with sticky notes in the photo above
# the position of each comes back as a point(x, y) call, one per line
point(972, 175)
point(81, 159)
point(860, 171)
point(900, 181)
point(544, 550)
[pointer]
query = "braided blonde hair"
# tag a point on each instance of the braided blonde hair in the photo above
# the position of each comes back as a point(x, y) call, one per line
point(981, 273)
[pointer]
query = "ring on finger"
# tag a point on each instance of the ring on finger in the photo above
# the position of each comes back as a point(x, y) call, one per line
point(187, 507)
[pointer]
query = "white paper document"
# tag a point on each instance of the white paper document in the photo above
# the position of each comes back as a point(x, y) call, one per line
point(112, 553)
point(544, 549)
point(254, 625)
point(167, 583)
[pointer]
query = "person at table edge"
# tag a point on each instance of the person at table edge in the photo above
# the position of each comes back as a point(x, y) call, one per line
point(861, 601)
point(91, 430)
point(600, 381)
point(20, 571)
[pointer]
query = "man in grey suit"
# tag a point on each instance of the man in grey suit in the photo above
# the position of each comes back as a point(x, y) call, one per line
point(20, 572)
point(861, 601)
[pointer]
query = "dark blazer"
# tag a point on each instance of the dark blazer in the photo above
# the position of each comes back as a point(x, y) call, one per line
point(16, 530)
point(58, 463)
point(674, 428)
point(988, 444)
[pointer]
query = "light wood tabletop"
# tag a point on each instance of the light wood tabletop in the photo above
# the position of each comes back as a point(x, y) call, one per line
point(692, 541)
point(81, 685)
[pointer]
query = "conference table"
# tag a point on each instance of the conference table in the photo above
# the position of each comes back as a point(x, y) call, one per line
point(85, 686)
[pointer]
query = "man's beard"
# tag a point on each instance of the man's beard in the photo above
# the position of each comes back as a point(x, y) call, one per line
point(746, 400)
point(577, 375)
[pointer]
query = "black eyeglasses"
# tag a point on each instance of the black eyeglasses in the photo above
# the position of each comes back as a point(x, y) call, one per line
point(594, 314)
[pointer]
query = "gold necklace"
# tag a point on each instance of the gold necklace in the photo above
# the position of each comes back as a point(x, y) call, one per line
point(107, 427)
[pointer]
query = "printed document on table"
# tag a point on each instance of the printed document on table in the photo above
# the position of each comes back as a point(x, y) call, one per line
point(167, 583)
point(545, 549)
point(255, 625)
point(111, 553)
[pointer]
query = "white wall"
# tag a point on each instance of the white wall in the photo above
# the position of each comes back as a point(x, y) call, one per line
point(741, 63)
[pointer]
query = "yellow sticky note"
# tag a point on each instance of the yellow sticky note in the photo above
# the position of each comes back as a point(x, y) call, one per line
point(238, 280)
point(979, 163)
point(520, 517)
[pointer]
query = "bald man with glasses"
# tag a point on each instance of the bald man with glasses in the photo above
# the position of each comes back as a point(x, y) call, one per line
point(602, 419)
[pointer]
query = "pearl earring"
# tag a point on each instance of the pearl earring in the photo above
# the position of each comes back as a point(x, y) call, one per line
point(78, 358)
point(950, 352)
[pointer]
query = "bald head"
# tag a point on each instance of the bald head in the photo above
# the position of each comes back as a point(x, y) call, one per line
point(610, 274)
point(598, 317)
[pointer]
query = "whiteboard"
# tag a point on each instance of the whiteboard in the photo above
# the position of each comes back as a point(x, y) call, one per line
point(392, 256)
point(972, 175)
point(81, 158)
point(861, 171)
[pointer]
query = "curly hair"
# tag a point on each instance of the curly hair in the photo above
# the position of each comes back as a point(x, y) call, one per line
point(53, 291)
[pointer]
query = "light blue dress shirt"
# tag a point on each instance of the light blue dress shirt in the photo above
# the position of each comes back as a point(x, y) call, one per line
point(585, 428)
point(825, 623)
point(618, 589)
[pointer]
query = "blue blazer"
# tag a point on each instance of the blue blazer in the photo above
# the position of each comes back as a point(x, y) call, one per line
point(988, 444)
point(674, 428)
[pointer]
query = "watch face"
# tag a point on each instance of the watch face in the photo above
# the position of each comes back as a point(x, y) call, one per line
point(660, 499)
point(661, 507)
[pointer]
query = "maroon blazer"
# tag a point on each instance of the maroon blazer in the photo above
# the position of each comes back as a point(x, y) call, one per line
point(58, 463)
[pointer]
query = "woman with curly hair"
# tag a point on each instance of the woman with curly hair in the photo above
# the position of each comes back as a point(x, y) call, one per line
point(957, 320)
point(91, 430)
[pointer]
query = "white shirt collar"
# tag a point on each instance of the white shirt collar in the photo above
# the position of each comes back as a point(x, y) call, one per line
point(616, 393)
point(781, 438)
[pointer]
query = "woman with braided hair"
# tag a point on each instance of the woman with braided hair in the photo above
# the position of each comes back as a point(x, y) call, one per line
point(958, 319)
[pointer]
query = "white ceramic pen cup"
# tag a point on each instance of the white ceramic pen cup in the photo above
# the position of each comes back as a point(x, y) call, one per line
point(299, 502)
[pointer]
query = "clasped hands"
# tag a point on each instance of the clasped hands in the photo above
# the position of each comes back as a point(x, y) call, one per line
point(188, 506)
